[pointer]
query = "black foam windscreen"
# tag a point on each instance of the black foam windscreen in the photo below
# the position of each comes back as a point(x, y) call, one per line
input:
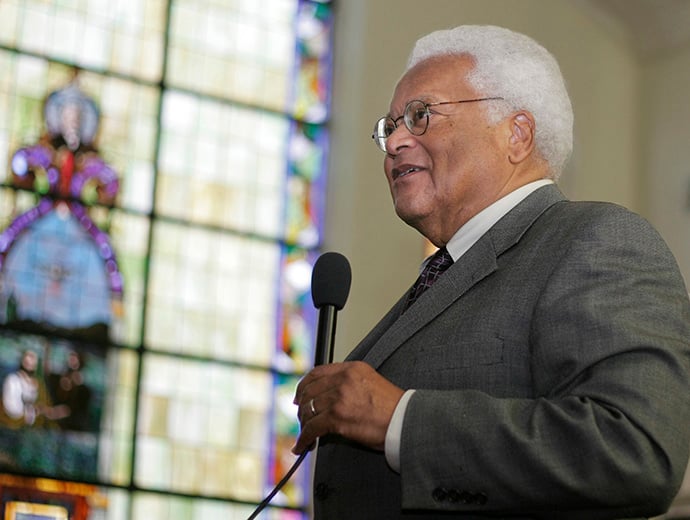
point(330, 280)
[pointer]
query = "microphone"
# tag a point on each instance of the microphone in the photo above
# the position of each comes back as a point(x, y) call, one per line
point(330, 286)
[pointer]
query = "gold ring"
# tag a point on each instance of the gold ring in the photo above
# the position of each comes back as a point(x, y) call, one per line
point(311, 406)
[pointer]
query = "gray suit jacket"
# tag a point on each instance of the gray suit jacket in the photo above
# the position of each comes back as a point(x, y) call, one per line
point(551, 367)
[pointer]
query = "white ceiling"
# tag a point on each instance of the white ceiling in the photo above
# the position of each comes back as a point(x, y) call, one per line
point(652, 27)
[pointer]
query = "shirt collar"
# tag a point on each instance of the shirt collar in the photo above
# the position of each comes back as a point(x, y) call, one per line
point(467, 235)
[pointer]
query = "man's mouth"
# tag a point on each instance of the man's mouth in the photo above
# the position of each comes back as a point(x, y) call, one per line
point(405, 170)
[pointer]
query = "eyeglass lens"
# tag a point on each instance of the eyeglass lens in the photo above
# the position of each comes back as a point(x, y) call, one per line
point(415, 116)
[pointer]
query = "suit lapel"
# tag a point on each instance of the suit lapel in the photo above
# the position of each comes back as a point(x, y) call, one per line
point(477, 263)
point(460, 277)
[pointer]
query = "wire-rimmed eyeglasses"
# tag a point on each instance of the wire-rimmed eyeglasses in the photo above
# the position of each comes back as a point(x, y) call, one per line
point(416, 119)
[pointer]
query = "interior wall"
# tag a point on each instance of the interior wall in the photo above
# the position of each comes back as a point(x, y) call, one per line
point(372, 42)
point(666, 146)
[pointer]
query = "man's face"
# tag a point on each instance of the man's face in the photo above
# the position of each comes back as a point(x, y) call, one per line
point(441, 179)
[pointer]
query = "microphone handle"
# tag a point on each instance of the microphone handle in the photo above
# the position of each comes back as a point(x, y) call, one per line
point(325, 335)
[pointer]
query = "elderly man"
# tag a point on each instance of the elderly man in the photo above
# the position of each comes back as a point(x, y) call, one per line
point(544, 374)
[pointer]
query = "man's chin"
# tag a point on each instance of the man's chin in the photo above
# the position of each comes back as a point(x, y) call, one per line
point(411, 218)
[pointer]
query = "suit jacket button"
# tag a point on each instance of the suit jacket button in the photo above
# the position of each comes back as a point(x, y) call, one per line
point(321, 491)
point(466, 497)
point(454, 495)
point(439, 494)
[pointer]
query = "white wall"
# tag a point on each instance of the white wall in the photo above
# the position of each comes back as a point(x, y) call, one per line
point(372, 41)
point(666, 146)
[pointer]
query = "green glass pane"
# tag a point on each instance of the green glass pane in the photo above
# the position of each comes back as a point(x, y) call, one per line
point(118, 426)
point(212, 294)
point(130, 237)
point(147, 506)
point(179, 406)
point(222, 165)
point(124, 37)
point(237, 50)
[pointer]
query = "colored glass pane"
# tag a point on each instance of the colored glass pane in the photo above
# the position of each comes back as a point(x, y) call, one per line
point(122, 37)
point(188, 228)
point(237, 50)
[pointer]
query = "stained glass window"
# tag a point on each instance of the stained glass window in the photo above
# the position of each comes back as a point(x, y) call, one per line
point(162, 189)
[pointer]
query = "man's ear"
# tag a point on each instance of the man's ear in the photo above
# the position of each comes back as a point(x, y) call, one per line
point(521, 140)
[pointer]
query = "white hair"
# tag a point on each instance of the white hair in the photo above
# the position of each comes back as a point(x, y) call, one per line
point(518, 69)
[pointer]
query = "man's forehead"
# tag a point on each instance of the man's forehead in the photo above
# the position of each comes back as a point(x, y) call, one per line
point(444, 75)
point(439, 68)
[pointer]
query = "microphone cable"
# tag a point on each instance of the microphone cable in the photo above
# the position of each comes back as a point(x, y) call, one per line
point(279, 485)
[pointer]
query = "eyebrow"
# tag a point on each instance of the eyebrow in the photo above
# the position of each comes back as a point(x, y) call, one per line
point(418, 98)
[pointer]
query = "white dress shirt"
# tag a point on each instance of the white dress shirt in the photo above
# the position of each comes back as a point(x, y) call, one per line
point(458, 245)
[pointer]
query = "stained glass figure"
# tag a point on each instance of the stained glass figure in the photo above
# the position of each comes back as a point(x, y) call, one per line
point(57, 268)
point(58, 279)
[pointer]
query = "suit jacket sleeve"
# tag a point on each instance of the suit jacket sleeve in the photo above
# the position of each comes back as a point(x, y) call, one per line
point(598, 336)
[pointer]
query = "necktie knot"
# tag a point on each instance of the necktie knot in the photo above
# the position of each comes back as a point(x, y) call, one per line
point(434, 268)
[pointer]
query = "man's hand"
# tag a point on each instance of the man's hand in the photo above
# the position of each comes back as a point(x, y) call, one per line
point(350, 399)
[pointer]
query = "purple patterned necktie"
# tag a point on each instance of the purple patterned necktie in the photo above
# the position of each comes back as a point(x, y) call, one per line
point(436, 266)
